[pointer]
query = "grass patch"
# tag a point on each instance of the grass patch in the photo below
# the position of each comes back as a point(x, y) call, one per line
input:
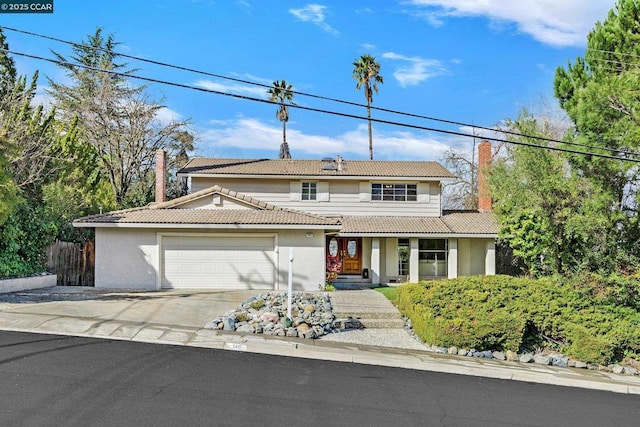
point(391, 292)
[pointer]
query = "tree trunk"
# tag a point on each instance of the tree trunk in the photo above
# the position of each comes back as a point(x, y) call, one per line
point(370, 132)
point(284, 147)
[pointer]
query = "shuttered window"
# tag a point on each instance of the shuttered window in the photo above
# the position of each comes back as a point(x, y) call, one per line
point(309, 191)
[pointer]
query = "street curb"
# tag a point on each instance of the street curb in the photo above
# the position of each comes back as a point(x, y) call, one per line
point(325, 350)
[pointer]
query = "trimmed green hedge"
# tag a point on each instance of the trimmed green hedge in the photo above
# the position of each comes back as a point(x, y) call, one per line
point(593, 319)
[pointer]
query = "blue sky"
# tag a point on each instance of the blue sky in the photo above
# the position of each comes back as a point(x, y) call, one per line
point(470, 61)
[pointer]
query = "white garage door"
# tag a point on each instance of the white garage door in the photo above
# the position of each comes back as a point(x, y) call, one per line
point(229, 262)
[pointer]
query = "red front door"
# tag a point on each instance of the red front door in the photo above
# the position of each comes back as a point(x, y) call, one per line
point(344, 254)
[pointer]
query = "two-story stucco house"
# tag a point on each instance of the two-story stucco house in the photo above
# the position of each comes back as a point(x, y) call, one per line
point(370, 221)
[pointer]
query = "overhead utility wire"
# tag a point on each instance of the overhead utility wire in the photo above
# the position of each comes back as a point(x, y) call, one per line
point(614, 53)
point(317, 110)
point(386, 110)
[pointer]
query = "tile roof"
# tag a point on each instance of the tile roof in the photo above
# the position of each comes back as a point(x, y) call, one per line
point(392, 224)
point(208, 216)
point(471, 222)
point(170, 213)
point(167, 213)
point(292, 167)
point(463, 223)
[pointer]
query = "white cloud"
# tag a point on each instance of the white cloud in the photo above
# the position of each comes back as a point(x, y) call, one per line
point(414, 69)
point(166, 116)
point(236, 88)
point(252, 77)
point(253, 134)
point(41, 97)
point(553, 22)
point(314, 13)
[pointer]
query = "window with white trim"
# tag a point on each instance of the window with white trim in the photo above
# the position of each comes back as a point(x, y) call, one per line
point(403, 257)
point(394, 192)
point(432, 257)
point(309, 191)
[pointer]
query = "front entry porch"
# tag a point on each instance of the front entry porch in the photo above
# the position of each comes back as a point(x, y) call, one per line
point(360, 261)
point(344, 255)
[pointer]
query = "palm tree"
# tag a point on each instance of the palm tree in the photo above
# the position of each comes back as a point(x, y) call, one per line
point(366, 70)
point(282, 93)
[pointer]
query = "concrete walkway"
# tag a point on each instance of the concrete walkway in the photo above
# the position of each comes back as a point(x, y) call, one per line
point(382, 322)
point(178, 317)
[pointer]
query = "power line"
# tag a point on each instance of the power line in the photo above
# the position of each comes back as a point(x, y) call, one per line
point(613, 53)
point(317, 110)
point(386, 110)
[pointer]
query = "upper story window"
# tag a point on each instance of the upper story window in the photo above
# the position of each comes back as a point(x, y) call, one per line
point(394, 192)
point(309, 191)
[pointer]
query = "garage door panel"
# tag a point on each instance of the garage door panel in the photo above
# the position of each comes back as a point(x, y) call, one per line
point(235, 262)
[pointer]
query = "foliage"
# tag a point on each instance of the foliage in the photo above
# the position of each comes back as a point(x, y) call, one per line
point(94, 153)
point(327, 287)
point(334, 266)
point(462, 191)
point(507, 313)
point(119, 121)
point(25, 235)
point(282, 93)
point(257, 304)
point(550, 215)
point(8, 187)
point(367, 73)
point(599, 94)
point(25, 136)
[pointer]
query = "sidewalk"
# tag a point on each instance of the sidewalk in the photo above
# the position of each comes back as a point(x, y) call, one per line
point(178, 317)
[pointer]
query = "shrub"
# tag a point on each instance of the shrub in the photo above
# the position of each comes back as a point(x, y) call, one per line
point(241, 317)
point(257, 304)
point(595, 320)
point(24, 237)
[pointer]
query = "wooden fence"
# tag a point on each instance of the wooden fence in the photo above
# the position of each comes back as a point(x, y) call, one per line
point(74, 263)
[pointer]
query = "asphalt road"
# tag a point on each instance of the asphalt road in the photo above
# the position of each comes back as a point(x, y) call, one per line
point(48, 380)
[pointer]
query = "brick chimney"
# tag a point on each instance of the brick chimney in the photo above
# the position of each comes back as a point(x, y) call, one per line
point(484, 164)
point(161, 175)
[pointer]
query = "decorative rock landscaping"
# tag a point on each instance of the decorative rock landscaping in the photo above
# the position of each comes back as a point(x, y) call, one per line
point(311, 316)
point(542, 358)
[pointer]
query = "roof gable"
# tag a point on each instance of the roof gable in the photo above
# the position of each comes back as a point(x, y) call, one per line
point(247, 212)
point(215, 197)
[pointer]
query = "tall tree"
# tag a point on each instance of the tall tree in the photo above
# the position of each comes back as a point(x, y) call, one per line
point(27, 135)
point(550, 214)
point(30, 159)
point(367, 72)
point(599, 92)
point(8, 189)
point(282, 93)
point(117, 119)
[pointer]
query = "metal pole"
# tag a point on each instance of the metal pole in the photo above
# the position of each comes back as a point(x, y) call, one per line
point(290, 284)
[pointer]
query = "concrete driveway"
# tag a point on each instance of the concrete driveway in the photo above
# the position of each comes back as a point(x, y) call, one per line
point(185, 308)
point(178, 318)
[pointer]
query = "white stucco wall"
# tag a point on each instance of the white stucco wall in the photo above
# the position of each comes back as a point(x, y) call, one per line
point(391, 260)
point(471, 256)
point(128, 258)
point(477, 257)
point(308, 259)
